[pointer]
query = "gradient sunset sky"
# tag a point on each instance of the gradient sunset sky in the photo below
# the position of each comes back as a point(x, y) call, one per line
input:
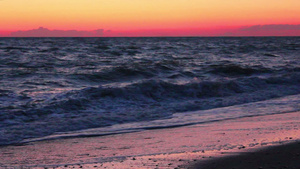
point(137, 15)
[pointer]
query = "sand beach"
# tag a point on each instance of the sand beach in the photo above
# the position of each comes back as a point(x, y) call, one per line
point(208, 145)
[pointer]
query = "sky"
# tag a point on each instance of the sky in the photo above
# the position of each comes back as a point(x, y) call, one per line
point(190, 17)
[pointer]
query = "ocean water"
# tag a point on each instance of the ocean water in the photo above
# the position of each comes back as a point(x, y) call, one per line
point(69, 87)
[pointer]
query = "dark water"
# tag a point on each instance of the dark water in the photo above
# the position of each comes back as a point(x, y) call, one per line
point(50, 85)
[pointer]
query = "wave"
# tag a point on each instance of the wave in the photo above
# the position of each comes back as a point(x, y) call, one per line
point(271, 55)
point(142, 101)
point(8, 48)
point(231, 69)
point(234, 69)
point(281, 105)
point(147, 69)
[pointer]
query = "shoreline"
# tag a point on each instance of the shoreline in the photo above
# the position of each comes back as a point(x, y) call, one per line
point(218, 114)
point(180, 147)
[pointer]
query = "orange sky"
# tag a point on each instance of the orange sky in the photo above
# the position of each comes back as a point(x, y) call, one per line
point(144, 14)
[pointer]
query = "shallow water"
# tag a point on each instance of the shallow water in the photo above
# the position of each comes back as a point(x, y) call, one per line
point(50, 85)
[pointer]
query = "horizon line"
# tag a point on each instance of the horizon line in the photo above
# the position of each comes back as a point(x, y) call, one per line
point(149, 36)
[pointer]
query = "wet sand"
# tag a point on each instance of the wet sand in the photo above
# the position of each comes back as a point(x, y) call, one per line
point(276, 157)
point(193, 146)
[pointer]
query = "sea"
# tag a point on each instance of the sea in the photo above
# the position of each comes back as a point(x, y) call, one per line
point(54, 88)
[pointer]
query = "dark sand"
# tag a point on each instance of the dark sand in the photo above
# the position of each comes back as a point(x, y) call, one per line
point(276, 157)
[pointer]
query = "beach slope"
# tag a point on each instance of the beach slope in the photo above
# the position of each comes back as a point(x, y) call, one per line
point(191, 146)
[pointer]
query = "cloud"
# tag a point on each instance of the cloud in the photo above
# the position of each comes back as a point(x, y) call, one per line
point(267, 30)
point(44, 32)
point(270, 28)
